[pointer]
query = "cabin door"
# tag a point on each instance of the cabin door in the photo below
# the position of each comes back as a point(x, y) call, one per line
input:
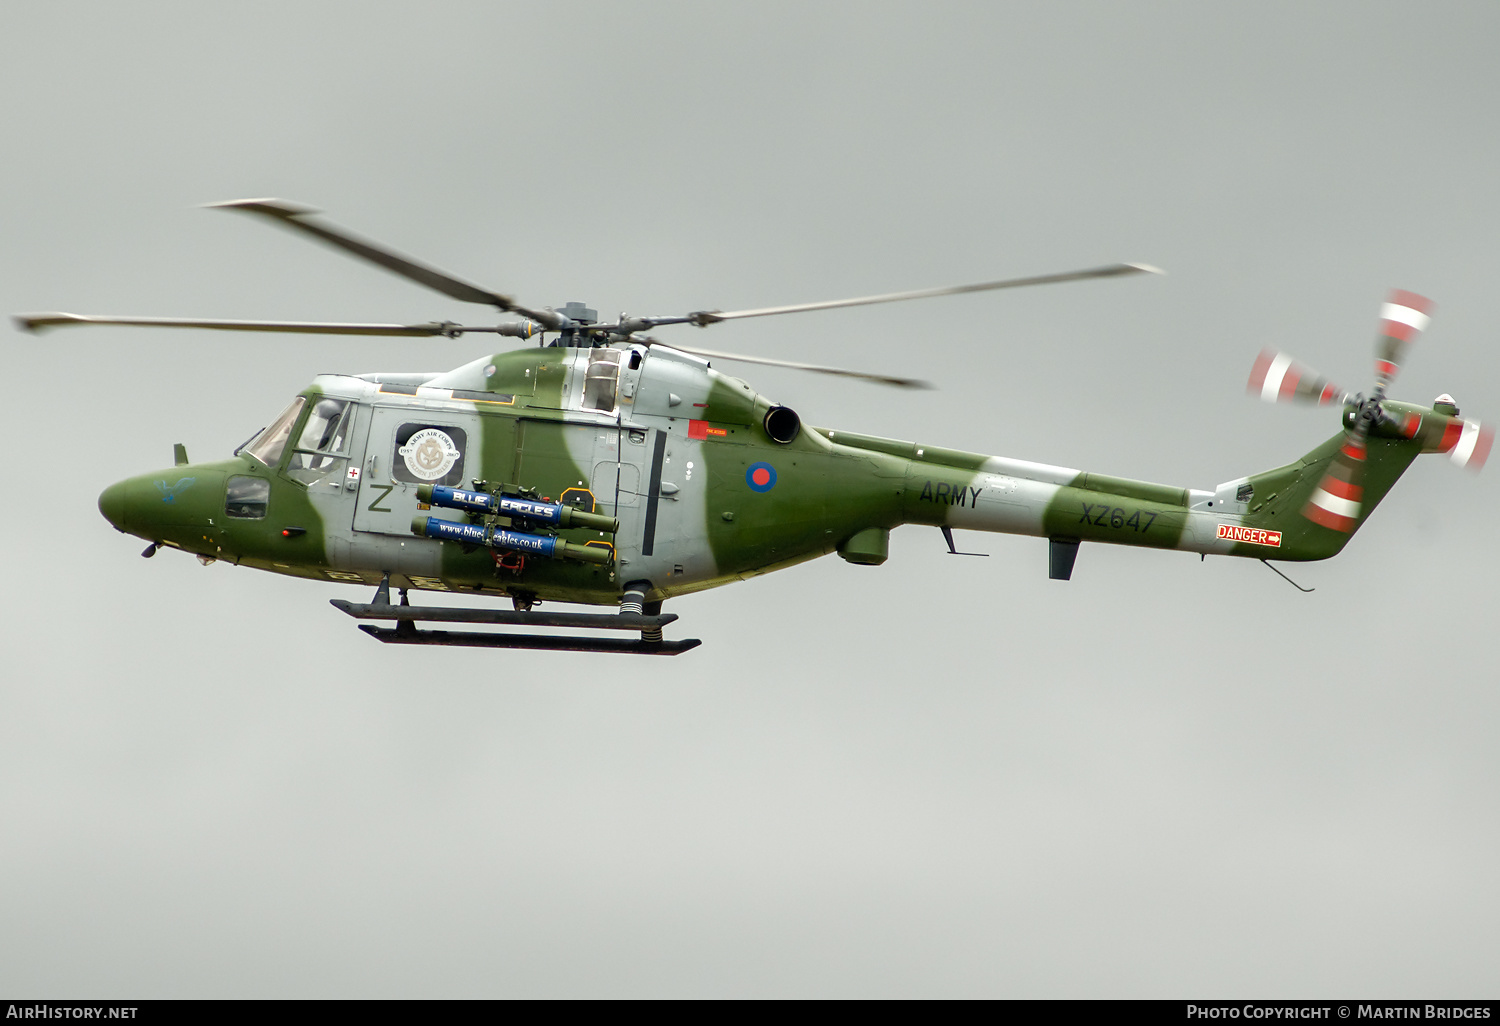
point(408, 447)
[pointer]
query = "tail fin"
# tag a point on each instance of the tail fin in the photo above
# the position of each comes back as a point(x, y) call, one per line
point(1316, 504)
point(1283, 499)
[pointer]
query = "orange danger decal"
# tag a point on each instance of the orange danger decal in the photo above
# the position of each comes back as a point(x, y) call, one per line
point(701, 429)
point(1251, 535)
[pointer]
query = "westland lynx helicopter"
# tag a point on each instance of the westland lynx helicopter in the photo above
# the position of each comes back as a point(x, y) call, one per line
point(608, 468)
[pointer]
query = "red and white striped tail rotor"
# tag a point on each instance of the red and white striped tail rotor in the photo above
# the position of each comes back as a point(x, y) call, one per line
point(1338, 501)
point(1277, 378)
point(1403, 317)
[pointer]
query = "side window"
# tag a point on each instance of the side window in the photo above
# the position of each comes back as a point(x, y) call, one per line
point(429, 454)
point(601, 379)
point(324, 441)
point(245, 498)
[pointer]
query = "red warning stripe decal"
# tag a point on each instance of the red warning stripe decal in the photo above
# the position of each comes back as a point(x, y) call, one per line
point(702, 429)
point(1250, 535)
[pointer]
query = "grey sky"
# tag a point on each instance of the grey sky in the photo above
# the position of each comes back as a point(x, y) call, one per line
point(938, 777)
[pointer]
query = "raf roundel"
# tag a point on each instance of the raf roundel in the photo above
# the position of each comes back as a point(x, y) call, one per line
point(761, 477)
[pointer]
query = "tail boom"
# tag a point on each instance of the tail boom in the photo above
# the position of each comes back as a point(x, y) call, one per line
point(1290, 513)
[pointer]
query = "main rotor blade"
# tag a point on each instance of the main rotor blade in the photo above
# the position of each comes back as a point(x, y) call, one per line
point(707, 317)
point(39, 322)
point(883, 379)
point(1277, 378)
point(294, 215)
point(1403, 317)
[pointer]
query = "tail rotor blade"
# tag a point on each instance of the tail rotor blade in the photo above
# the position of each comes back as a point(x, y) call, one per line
point(1403, 317)
point(1470, 444)
point(1339, 498)
point(1277, 378)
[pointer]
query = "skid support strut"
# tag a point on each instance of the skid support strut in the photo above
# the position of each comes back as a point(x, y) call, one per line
point(633, 603)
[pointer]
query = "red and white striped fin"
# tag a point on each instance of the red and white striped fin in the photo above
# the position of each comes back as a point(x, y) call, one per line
point(1471, 443)
point(1277, 378)
point(1339, 497)
point(1403, 317)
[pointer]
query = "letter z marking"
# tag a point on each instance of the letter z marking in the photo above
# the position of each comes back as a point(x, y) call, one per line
point(384, 491)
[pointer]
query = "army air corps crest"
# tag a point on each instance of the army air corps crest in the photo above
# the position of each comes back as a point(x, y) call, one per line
point(429, 454)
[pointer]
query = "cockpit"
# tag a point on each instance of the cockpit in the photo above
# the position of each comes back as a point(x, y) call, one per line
point(322, 446)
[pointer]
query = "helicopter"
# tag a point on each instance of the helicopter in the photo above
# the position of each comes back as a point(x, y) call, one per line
point(605, 467)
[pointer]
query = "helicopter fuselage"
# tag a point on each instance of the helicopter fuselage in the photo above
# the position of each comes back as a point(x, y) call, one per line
point(710, 482)
point(609, 469)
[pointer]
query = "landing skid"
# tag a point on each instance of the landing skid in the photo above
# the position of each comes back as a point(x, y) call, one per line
point(406, 633)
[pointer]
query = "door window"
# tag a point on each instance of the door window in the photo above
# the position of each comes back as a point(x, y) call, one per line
point(321, 449)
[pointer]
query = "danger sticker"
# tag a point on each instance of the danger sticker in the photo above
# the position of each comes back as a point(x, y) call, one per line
point(1251, 535)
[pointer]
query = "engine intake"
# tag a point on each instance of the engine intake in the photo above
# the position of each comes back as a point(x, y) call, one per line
point(782, 424)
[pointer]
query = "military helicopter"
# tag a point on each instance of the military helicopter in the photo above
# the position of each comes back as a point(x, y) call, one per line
point(605, 467)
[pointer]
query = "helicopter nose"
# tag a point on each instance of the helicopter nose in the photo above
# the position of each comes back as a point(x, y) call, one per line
point(112, 504)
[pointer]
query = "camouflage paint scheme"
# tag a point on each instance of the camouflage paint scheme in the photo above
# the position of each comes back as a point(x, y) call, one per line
point(681, 455)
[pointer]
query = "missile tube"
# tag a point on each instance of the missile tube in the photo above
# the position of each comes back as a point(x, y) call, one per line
point(553, 514)
point(513, 541)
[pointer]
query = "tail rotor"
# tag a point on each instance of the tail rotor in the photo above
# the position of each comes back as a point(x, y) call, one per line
point(1338, 501)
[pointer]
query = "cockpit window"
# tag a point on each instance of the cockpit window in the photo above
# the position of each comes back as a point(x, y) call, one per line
point(321, 448)
point(271, 443)
point(326, 427)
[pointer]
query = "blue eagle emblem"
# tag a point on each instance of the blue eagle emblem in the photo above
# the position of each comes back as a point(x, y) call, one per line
point(169, 493)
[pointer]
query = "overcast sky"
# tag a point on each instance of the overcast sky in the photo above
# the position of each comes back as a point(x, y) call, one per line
point(943, 776)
